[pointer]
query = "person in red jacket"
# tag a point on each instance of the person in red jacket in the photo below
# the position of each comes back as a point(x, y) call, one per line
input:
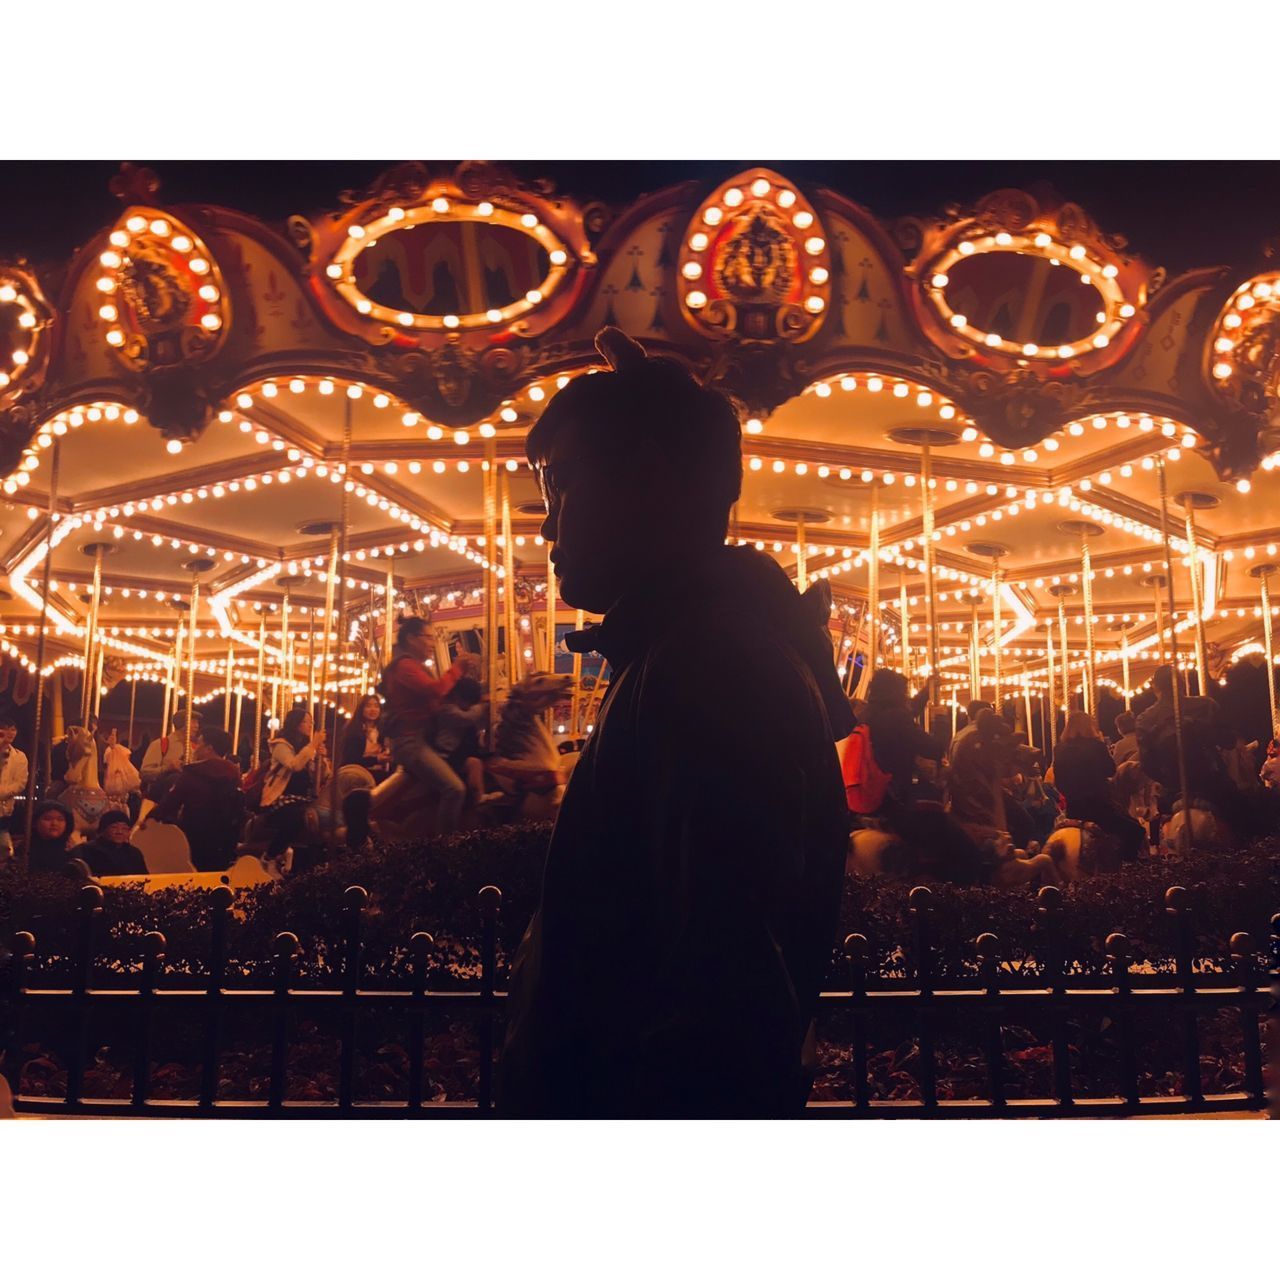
point(413, 695)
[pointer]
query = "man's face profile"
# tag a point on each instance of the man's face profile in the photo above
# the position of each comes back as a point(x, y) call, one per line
point(595, 494)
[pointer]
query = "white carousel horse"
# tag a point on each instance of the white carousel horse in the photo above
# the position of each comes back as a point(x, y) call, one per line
point(1208, 831)
point(82, 794)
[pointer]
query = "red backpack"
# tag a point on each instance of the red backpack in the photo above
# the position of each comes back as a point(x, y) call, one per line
point(865, 783)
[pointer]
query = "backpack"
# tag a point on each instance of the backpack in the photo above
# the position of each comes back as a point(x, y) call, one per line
point(265, 785)
point(865, 783)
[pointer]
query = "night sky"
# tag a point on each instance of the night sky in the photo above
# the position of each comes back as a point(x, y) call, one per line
point(1178, 214)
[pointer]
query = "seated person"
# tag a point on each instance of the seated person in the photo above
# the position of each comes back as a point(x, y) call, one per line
point(1126, 745)
point(457, 734)
point(110, 853)
point(206, 801)
point(1270, 772)
point(166, 756)
point(1083, 769)
point(362, 742)
point(298, 759)
point(51, 832)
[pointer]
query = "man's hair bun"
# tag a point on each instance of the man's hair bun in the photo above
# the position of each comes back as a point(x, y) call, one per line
point(622, 352)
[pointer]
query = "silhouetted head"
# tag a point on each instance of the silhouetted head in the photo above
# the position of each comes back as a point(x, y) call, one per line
point(415, 637)
point(888, 687)
point(615, 449)
point(1126, 723)
point(1162, 682)
point(467, 692)
point(1080, 724)
point(974, 707)
point(214, 744)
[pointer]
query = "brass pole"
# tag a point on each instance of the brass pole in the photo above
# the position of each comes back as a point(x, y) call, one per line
point(1086, 575)
point(1124, 669)
point(1160, 621)
point(340, 607)
point(282, 707)
point(1026, 702)
point(1197, 596)
point(389, 614)
point(580, 622)
point(91, 635)
point(551, 616)
point(133, 703)
point(36, 758)
point(257, 702)
point(873, 597)
point(975, 660)
point(1066, 658)
point(327, 622)
point(226, 695)
point(802, 575)
point(514, 654)
point(191, 667)
point(998, 638)
point(905, 627)
point(930, 608)
point(311, 661)
point(100, 652)
point(1263, 572)
point(1173, 650)
point(489, 484)
point(1051, 704)
point(235, 733)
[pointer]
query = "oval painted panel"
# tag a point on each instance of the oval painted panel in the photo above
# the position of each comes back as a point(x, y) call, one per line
point(455, 268)
point(1024, 298)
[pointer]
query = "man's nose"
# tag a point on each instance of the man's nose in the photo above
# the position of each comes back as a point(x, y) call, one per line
point(548, 529)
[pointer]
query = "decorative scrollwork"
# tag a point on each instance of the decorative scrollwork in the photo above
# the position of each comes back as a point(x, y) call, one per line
point(1018, 408)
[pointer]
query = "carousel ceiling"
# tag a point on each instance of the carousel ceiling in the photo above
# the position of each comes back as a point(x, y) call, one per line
point(199, 387)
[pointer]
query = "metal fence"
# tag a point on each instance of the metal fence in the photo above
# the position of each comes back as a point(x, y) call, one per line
point(991, 1002)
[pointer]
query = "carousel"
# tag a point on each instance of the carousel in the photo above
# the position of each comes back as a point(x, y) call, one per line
point(1029, 463)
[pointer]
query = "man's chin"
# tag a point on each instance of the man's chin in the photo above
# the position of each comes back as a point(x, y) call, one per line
point(581, 593)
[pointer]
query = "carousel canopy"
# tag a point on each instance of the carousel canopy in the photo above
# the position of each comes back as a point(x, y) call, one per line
point(993, 399)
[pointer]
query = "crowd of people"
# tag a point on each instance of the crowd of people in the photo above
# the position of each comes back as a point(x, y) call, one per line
point(430, 726)
point(959, 806)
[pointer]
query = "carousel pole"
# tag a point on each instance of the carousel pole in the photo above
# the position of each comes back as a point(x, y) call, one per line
point(226, 695)
point(311, 663)
point(1061, 591)
point(340, 609)
point(389, 614)
point(579, 622)
point(1263, 572)
point(930, 605)
point(975, 662)
point(133, 703)
point(1173, 650)
point(257, 702)
point(34, 772)
point(1124, 669)
point(802, 574)
point(997, 640)
point(283, 706)
point(1051, 705)
point(1026, 704)
point(1086, 578)
point(1188, 502)
point(326, 621)
point(904, 643)
point(514, 654)
point(550, 645)
point(196, 568)
point(97, 679)
point(489, 483)
point(1157, 582)
point(873, 594)
point(235, 732)
point(97, 550)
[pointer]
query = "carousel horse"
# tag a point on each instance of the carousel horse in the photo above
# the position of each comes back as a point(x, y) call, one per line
point(1081, 849)
point(81, 792)
point(1208, 830)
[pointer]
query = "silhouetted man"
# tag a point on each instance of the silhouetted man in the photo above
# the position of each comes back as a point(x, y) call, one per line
point(691, 891)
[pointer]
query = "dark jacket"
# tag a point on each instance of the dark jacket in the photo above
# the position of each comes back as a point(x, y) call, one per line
point(1203, 734)
point(107, 859)
point(1082, 771)
point(207, 803)
point(692, 887)
point(896, 738)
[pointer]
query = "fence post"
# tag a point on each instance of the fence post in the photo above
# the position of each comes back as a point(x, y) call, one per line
point(24, 946)
point(1177, 905)
point(856, 951)
point(285, 949)
point(353, 903)
point(219, 913)
point(1049, 924)
point(88, 910)
point(1118, 952)
point(490, 903)
point(154, 944)
point(921, 905)
point(1242, 948)
point(988, 946)
point(420, 946)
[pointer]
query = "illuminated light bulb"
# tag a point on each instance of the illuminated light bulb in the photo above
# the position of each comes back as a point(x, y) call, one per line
point(211, 320)
point(435, 433)
point(712, 216)
point(754, 426)
point(986, 449)
point(1006, 459)
point(698, 241)
point(1244, 301)
point(269, 390)
point(1243, 486)
point(1222, 369)
point(814, 304)
point(512, 464)
point(814, 245)
point(173, 446)
point(119, 238)
point(969, 435)
point(364, 306)
point(326, 387)
point(355, 392)
point(695, 300)
point(875, 384)
point(461, 437)
point(1231, 321)
point(487, 430)
point(901, 390)
point(534, 296)
point(115, 337)
point(405, 318)
point(802, 468)
point(959, 321)
point(106, 284)
point(867, 476)
point(262, 437)
point(802, 220)
point(819, 275)
point(733, 197)
point(924, 399)
point(200, 266)
point(160, 227)
point(508, 414)
point(755, 464)
point(846, 473)
point(993, 339)
point(888, 477)
point(692, 270)
point(137, 223)
point(1029, 455)
point(779, 466)
point(108, 259)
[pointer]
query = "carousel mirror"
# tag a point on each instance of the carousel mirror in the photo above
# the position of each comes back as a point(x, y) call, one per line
point(1024, 298)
